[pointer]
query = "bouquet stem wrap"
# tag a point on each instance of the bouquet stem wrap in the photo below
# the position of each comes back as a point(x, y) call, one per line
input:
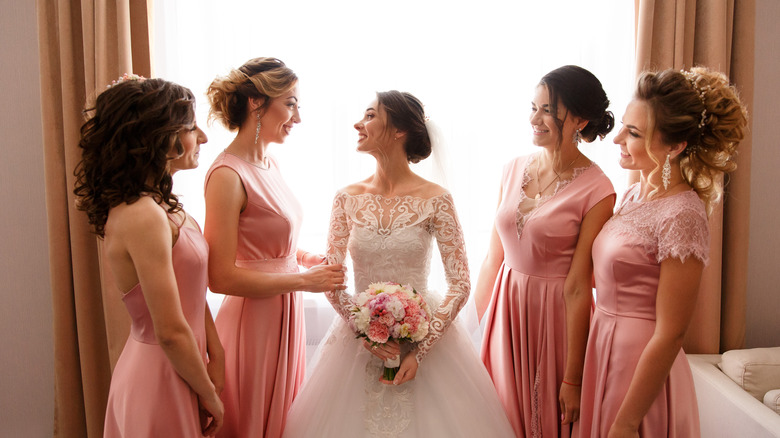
point(391, 368)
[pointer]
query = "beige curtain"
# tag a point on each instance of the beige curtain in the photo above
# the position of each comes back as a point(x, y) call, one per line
point(83, 46)
point(717, 34)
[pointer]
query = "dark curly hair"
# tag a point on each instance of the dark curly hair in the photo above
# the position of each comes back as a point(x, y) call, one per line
point(406, 113)
point(259, 78)
point(583, 96)
point(125, 143)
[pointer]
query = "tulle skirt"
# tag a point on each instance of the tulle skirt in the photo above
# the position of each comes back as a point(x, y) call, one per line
point(452, 394)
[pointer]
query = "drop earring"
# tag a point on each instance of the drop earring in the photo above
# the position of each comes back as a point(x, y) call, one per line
point(257, 131)
point(666, 173)
point(576, 138)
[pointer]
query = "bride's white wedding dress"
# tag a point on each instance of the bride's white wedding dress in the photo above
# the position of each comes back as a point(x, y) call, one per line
point(390, 239)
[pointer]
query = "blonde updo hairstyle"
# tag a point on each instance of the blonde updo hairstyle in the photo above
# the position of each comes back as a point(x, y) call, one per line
point(701, 108)
point(258, 78)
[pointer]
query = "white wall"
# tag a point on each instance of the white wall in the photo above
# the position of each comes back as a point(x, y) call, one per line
point(26, 347)
point(763, 305)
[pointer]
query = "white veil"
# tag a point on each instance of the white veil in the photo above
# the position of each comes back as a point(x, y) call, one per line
point(439, 167)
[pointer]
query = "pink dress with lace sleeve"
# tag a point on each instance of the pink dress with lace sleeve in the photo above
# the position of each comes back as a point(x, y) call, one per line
point(627, 258)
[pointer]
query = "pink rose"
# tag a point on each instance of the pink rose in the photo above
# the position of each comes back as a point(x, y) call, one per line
point(378, 332)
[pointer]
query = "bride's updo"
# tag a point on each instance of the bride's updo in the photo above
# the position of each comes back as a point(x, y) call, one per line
point(259, 78)
point(406, 113)
point(701, 108)
point(583, 96)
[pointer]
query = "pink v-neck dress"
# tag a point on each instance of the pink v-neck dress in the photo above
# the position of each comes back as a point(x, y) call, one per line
point(264, 338)
point(524, 345)
point(147, 397)
point(627, 257)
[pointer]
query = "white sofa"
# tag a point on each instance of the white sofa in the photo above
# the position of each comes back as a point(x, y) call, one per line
point(725, 408)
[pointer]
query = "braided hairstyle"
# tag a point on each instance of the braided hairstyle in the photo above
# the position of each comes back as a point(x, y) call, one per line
point(698, 107)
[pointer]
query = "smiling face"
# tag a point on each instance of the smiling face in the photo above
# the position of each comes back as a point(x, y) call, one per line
point(191, 138)
point(372, 128)
point(632, 139)
point(544, 122)
point(280, 116)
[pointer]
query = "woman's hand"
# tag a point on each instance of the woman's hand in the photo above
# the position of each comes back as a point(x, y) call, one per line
point(216, 370)
point(406, 372)
point(622, 431)
point(569, 400)
point(212, 414)
point(389, 350)
point(324, 278)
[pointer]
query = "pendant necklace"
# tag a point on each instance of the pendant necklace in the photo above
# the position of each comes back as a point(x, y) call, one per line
point(557, 176)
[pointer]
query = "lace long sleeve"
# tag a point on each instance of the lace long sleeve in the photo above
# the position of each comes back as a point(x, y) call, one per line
point(338, 237)
point(449, 237)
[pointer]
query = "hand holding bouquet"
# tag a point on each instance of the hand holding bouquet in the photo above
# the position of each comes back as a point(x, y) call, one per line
point(390, 311)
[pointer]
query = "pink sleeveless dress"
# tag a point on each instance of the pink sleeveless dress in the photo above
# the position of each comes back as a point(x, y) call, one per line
point(627, 257)
point(147, 397)
point(264, 338)
point(524, 344)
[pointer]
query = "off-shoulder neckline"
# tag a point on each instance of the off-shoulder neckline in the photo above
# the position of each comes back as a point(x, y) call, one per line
point(445, 194)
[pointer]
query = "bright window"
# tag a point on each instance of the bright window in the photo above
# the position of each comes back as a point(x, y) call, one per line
point(473, 64)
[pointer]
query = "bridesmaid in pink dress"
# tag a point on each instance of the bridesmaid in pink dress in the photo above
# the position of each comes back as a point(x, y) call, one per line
point(252, 223)
point(161, 384)
point(680, 132)
point(534, 288)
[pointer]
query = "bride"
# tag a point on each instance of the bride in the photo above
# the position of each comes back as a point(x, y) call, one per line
point(387, 224)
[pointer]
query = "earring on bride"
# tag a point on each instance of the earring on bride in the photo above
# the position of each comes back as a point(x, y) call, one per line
point(666, 173)
point(257, 131)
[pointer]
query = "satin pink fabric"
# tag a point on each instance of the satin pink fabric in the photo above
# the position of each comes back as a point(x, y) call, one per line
point(524, 346)
point(627, 274)
point(147, 397)
point(264, 338)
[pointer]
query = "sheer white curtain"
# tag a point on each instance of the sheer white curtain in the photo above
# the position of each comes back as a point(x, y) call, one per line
point(473, 64)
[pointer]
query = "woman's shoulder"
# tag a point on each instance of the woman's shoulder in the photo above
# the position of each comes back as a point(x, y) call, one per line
point(139, 216)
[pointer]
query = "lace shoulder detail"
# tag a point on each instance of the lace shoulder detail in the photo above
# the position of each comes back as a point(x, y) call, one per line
point(673, 227)
point(684, 233)
point(449, 237)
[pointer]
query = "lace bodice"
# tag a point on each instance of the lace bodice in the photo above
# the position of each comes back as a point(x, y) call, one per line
point(528, 205)
point(671, 227)
point(390, 239)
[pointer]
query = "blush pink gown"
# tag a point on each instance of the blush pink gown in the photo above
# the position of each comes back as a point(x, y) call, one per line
point(627, 255)
point(524, 344)
point(147, 397)
point(264, 338)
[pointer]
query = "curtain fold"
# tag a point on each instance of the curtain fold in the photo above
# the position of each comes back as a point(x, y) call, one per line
point(83, 45)
point(681, 34)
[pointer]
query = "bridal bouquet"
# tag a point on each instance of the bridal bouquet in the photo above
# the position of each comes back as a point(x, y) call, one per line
point(390, 311)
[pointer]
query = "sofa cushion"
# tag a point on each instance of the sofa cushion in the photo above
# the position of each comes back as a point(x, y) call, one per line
point(756, 370)
point(772, 399)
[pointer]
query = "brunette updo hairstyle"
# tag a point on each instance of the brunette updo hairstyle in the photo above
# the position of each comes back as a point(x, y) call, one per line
point(701, 108)
point(259, 78)
point(406, 113)
point(582, 95)
point(125, 143)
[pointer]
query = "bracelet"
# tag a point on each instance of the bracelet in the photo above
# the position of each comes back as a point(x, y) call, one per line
point(571, 384)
